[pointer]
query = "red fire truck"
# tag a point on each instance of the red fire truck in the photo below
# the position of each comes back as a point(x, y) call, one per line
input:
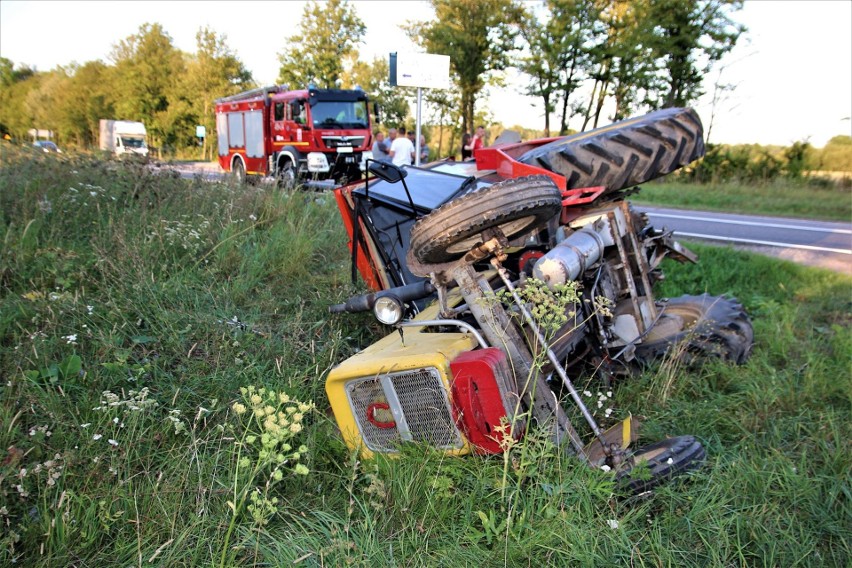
point(310, 134)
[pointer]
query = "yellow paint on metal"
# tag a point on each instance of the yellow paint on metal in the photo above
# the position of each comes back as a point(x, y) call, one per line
point(625, 433)
point(415, 350)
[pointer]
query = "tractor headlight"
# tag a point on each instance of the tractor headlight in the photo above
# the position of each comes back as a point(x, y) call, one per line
point(388, 309)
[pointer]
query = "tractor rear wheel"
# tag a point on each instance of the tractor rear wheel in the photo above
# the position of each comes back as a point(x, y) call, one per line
point(625, 153)
point(513, 206)
point(692, 328)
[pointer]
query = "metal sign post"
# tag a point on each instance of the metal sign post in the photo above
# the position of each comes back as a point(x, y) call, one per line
point(424, 71)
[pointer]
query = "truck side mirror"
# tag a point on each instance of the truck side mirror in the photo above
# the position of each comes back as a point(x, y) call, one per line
point(377, 115)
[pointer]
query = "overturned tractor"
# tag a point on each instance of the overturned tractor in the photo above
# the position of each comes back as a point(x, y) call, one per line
point(510, 277)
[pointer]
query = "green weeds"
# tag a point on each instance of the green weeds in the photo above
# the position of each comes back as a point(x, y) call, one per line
point(784, 198)
point(129, 325)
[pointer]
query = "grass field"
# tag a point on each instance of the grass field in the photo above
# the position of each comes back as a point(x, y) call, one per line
point(135, 308)
point(782, 198)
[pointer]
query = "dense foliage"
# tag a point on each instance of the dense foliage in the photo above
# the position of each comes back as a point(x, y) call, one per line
point(753, 163)
point(329, 34)
point(640, 54)
point(163, 343)
point(148, 80)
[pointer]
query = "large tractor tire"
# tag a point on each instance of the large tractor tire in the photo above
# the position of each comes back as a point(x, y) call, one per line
point(693, 328)
point(652, 465)
point(625, 153)
point(514, 206)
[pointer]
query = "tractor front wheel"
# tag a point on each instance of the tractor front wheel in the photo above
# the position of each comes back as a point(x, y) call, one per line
point(514, 206)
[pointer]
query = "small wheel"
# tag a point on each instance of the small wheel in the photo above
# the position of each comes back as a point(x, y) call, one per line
point(652, 465)
point(513, 206)
point(693, 328)
point(286, 174)
point(239, 171)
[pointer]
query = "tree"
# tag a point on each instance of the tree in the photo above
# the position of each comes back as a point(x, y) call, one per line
point(543, 63)
point(331, 31)
point(146, 73)
point(620, 60)
point(374, 78)
point(558, 53)
point(837, 154)
point(41, 102)
point(9, 75)
point(15, 84)
point(632, 57)
point(213, 72)
point(477, 35)
point(86, 98)
point(444, 106)
point(688, 37)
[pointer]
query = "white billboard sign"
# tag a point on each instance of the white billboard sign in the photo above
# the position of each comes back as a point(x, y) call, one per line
point(424, 70)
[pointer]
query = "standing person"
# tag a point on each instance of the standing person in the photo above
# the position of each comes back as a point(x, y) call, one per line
point(467, 149)
point(402, 150)
point(381, 148)
point(478, 139)
point(424, 150)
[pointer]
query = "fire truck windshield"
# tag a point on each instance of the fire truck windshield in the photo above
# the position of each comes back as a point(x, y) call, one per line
point(339, 114)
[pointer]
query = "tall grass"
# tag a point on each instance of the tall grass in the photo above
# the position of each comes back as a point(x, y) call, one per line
point(135, 306)
point(780, 197)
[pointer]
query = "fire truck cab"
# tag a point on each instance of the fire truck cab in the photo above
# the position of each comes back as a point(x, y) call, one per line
point(310, 134)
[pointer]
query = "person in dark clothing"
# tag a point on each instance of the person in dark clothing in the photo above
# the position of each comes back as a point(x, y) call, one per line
point(467, 148)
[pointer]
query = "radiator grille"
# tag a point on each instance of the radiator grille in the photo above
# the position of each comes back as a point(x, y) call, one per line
point(343, 141)
point(420, 408)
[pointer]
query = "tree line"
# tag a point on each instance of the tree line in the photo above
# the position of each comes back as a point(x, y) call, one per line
point(147, 79)
point(579, 57)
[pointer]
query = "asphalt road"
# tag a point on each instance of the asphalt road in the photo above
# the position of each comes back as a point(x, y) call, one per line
point(814, 243)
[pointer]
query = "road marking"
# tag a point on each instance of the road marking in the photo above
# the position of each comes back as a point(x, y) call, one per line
point(755, 242)
point(750, 223)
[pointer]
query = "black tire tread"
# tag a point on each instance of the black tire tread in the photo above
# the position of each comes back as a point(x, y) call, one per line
point(724, 331)
point(686, 453)
point(652, 145)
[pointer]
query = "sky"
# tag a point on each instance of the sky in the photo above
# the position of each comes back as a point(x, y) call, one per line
point(792, 69)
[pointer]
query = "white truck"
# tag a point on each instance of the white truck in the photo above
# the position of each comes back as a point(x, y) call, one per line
point(123, 137)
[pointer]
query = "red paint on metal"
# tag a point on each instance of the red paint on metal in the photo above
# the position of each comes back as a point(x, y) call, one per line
point(371, 416)
point(477, 404)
